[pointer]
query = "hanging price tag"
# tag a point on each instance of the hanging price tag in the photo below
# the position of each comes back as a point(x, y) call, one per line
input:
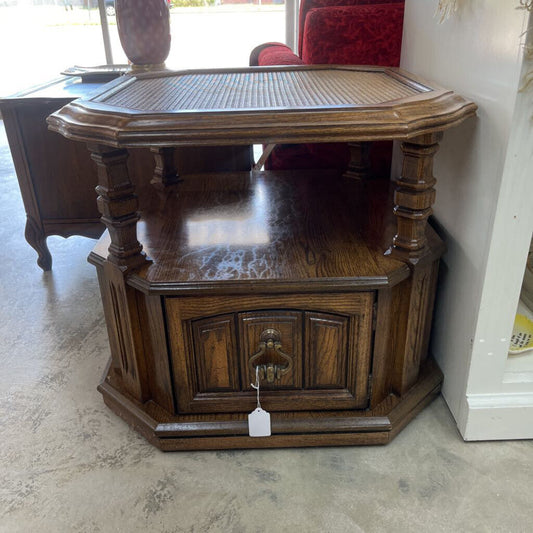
point(258, 419)
point(259, 423)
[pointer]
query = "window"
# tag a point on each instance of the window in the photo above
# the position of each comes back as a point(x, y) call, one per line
point(41, 38)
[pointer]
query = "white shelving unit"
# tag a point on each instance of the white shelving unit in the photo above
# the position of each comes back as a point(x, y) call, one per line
point(519, 367)
point(484, 187)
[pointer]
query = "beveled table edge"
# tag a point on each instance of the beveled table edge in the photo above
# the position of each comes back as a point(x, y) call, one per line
point(433, 110)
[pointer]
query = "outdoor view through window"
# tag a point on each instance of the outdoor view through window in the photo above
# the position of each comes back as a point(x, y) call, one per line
point(41, 38)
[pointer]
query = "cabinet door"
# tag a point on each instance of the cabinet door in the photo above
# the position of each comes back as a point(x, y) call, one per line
point(215, 354)
point(320, 343)
point(337, 355)
point(327, 351)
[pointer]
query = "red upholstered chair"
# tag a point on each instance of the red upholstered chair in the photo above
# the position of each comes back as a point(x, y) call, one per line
point(342, 32)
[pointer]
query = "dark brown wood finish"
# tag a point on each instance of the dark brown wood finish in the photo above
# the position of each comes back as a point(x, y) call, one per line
point(165, 173)
point(343, 362)
point(125, 330)
point(156, 352)
point(334, 428)
point(311, 104)
point(359, 166)
point(311, 277)
point(415, 194)
point(286, 230)
point(118, 206)
point(214, 348)
point(346, 364)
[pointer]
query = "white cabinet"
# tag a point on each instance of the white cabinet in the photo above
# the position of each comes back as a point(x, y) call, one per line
point(484, 206)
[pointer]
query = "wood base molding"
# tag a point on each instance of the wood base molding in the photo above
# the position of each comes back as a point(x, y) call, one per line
point(377, 426)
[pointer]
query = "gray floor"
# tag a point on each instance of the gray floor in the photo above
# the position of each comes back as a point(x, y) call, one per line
point(68, 464)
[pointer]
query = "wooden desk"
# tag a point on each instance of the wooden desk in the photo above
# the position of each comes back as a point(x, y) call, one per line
point(57, 178)
point(312, 277)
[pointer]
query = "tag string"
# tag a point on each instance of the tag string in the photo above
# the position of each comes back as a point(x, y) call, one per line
point(256, 386)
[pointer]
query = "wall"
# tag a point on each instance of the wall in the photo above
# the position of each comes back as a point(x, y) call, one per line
point(478, 53)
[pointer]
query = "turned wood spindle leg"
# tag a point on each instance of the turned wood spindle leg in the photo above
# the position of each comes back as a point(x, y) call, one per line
point(165, 172)
point(118, 204)
point(414, 195)
point(359, 167)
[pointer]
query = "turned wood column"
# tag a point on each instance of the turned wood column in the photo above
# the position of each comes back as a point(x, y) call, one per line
point(118, 204)
point(359, 166)
point(414, 195)
point(165, 172)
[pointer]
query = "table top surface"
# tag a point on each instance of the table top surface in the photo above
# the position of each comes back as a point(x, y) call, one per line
point(263, 90)
point(261, 104)
point(64, 88)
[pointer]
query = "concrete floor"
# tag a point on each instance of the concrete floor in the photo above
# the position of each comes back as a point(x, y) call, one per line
point(67, 464)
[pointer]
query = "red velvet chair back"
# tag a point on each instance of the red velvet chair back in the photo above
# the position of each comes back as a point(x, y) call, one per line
point(356, 35)
point(307, 5)
point(357, 32)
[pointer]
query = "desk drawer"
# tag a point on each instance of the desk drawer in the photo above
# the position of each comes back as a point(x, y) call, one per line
point(312, 351)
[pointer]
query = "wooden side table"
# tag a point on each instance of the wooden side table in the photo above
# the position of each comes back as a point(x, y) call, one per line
point(324, 284)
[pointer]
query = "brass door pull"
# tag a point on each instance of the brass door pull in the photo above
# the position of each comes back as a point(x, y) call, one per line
point(270, 339)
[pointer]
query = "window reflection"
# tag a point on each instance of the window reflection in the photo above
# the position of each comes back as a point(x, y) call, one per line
point(243, 222)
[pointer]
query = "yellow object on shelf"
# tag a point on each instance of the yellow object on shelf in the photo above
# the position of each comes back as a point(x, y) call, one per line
point(522, 337)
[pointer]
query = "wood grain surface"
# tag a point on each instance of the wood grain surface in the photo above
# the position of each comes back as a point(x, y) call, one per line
point(278, 229)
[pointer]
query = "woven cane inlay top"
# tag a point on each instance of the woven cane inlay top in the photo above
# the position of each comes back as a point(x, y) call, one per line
point(261, 90)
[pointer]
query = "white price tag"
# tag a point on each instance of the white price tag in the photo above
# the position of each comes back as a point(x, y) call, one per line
point(258, 419)
point(259, 423)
